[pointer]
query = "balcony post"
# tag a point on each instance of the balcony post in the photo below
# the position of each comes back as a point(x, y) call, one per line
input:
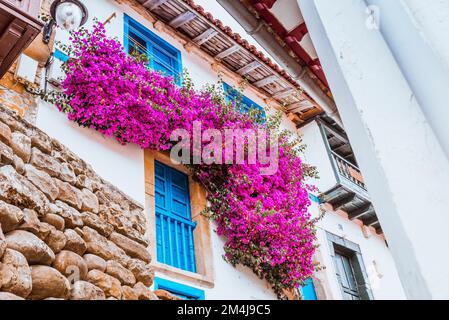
point(403, 162)
point(334, 163)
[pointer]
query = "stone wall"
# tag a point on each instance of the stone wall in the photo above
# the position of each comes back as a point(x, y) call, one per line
point(14, 96)
point(65, 233)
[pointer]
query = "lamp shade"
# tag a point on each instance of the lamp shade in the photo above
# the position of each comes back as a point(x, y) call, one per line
point(69, 14)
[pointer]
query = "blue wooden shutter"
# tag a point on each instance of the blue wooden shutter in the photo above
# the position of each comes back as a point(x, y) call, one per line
point(180, 290)
point(346, 277)
point(164, 61)
point(162, 56)
point(308, 291)
point(246, 104)
point(58, 54)
point(174, 226)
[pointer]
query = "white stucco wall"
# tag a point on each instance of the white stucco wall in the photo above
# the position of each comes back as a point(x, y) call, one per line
point(384, 103)
point(373, 249)
point(124, 167)
point(378, 262)
point(316, 154)
point(120, 165)
point(417, 31)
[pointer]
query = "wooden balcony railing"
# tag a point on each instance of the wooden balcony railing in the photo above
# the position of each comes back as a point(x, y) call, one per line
point(347, 170)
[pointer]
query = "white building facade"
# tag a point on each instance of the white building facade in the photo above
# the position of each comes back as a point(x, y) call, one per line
point(386, 62)
point(356, 259)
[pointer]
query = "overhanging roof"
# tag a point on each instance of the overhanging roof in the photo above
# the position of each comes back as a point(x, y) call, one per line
point(288, 27)
point(234, 52)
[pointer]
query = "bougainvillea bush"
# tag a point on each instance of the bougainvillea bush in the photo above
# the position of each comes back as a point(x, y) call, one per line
point(264, 218)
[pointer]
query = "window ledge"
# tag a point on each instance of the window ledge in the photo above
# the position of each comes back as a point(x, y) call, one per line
point(178, 274)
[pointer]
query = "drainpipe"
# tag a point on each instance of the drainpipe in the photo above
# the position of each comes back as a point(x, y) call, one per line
point(259, 31)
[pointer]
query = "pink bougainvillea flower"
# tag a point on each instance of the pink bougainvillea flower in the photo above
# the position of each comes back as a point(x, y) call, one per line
point(264, 218)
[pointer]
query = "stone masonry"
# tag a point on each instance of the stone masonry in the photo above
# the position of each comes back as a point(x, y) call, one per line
point(65, 233)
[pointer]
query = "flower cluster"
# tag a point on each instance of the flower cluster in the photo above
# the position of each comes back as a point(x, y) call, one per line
point(264, 218)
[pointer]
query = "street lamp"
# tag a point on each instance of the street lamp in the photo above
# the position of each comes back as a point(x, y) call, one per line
point(67, 14)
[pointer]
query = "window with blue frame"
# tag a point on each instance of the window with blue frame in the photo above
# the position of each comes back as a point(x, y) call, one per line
point(308, 290)
point(58, 54)
point(245, 103)
point(162, 56)
point(314, 198)
point(174, 225)
point(180, 290)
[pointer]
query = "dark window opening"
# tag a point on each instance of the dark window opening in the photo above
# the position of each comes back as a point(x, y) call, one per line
point(350, 269)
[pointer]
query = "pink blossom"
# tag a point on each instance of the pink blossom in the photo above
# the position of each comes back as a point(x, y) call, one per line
point(264, 219)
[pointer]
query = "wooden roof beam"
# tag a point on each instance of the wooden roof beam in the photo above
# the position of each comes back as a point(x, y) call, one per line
point(205, 36)
point(268, 3)
point(182, 19)
point(362, 211)
point(337, 149)
point(377, 222)
point(268, 80)
point(153, 4)
point(334, 133)
point(343, 201)
point(330, 195)
point(283, 93)
point(299, 32)
point(312, 113)
point(228, 52)
point(300, 106)
point(248, 68)
point(294, 118)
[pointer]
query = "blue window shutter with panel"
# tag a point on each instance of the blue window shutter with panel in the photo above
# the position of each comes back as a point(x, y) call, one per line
point(308, 291)
point(162, 56)
point(174, 226)
point(180, 290)
point(58, 54)
point(246, 104)
point(314, 198)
